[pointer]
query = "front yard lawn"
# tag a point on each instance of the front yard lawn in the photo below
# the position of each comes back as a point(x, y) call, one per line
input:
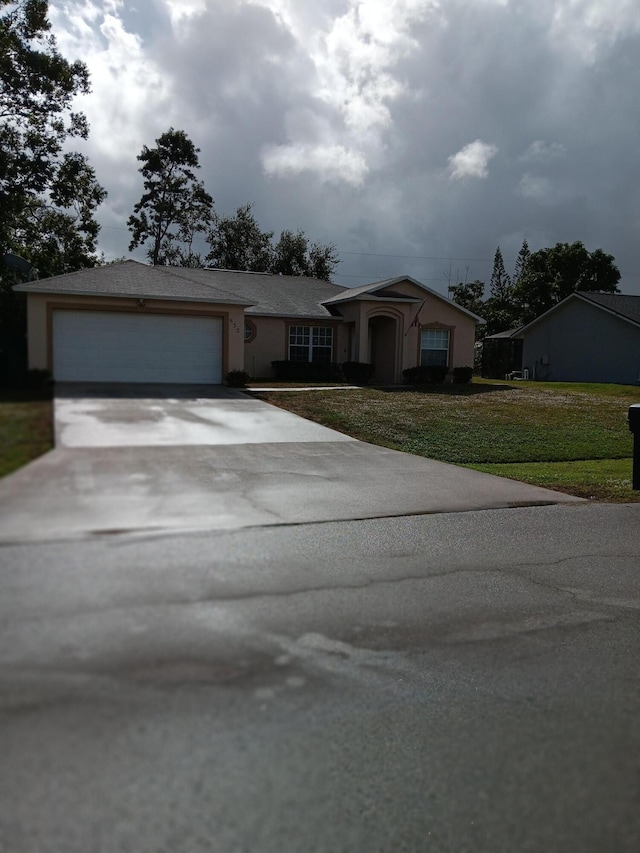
point(26, 427)
point(569, 436)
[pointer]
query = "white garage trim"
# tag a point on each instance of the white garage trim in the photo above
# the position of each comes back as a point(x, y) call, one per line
point(104, 346)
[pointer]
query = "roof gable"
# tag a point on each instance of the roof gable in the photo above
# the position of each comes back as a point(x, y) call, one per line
point(621, 305)
point(384, 290)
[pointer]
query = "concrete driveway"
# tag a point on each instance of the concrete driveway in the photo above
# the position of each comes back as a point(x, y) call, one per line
point(174, 416)
point(174, 458)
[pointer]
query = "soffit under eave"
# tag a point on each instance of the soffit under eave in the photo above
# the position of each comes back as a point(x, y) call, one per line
point(367, 297)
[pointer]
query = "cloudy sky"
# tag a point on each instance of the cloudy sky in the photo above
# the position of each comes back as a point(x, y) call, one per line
point(415, 135)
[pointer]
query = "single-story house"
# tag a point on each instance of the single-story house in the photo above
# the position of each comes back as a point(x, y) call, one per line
point(129, 322)
point(588, 337)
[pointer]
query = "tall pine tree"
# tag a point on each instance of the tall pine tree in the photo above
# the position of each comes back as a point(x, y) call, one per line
point(175, 205)
point(500, 284)
point(499, 309)
point(521, 262)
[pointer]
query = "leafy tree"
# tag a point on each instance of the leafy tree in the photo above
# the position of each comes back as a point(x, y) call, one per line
point(469, 296)
point(323, 260)
point(238, 243)
point(540, 280)
point(499, 316)
point(47, 197)
point(290, 254)
point(553, 274)
point(194, 221)
point(175, 205)
point(294, 255)
point(59, 234)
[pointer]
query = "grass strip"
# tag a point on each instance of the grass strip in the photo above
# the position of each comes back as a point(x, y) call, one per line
point(26, 431)
point(595, 479)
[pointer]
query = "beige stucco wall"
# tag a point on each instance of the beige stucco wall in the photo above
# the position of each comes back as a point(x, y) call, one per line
point(271, 342)
point(39, 318)
point(433, 313)
point(463, 329)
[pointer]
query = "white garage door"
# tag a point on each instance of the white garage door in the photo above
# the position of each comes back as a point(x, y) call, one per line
point(97, 346)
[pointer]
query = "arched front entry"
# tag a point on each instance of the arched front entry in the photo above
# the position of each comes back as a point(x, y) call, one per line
point(383, 348)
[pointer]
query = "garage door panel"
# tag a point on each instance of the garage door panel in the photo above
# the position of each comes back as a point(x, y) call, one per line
point(99, 346)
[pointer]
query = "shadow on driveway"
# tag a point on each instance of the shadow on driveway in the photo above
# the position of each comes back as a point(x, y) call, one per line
point(141, 391)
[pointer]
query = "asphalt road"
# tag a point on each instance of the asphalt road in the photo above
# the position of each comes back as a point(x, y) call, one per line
point(451, 682)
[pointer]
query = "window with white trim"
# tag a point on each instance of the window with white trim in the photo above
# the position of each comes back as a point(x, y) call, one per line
point(434, 347)
point(310, 343)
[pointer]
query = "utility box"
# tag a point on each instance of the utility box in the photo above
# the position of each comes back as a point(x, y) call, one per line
point(634, 426)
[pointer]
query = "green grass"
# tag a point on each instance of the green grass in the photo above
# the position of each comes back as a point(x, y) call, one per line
point(26, 428)
point(550, 434)
point(595, 479)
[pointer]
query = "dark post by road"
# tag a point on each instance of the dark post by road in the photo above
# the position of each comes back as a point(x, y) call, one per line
point(634, 426)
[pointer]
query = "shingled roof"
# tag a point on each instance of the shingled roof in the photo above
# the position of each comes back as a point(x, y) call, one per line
point(272, 295)
point(621, 304)
point(261, 294)
point(133, 279)
point(618, 303)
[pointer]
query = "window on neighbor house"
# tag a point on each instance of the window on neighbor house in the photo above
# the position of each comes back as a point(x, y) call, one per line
point(434, 347)
point(310, 343)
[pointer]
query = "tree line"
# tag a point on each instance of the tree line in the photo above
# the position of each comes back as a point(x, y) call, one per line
point(49, 195)
point(175, 209)
point(539, 281)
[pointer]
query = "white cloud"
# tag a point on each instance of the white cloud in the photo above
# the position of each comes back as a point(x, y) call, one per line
point(472, 161)
point(535, 187)
point(543, 190)
point(179, 10)
point(543, 152)
point(591, 26)
point(330, 162)
point(354, 56)
point(126, 85)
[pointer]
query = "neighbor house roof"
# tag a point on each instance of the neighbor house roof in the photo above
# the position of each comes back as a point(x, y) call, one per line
point(621, 305)
point(505, 333)
point(381, 290)
point(133, 279)
point(618, 303)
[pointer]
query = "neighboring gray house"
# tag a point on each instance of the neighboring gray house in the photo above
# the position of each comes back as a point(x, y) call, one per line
point(588, 337)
